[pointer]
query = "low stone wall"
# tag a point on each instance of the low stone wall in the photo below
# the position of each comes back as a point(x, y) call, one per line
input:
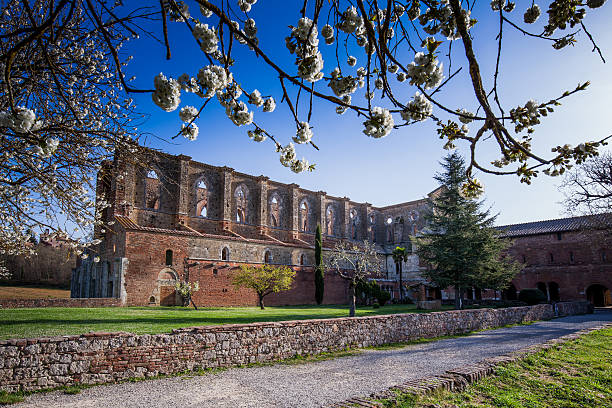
point(94, 358)
point(59, 302)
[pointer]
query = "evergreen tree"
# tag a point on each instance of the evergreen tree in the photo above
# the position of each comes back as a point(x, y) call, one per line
point(461, 246)
point(319, 282)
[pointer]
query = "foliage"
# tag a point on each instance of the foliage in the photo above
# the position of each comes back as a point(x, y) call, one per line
point(354, 262)
point(319, 280)
point(461, 246)
point(588, 188)
point(63, 112)
point(532, 296)
point(264, 279)
point(186, 290)
point(370, 290)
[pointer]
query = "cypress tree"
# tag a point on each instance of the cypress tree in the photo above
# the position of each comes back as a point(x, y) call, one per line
point(319, 282)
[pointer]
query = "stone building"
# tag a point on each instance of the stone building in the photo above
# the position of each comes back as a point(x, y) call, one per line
point(179, 217)
point(568, 258)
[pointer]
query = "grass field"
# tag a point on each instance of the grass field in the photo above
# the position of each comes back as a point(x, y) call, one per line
point(579, 375)
point(19, 323)
point(32, 292)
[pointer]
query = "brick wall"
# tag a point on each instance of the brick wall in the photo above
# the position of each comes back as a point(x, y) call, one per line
point(72, 302)
point(95, 358)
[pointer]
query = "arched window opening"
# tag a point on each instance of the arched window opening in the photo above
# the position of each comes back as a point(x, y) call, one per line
point(553, 292)
point(354, 221)
point(225, 255)
point(169, 257)
point(274, 210)
point(302, 259)
point(599, 295)
point(201, 199)
point(267, 257)
point(304, 216)
point(330, 220)
point(152, 187)
point(241, 197)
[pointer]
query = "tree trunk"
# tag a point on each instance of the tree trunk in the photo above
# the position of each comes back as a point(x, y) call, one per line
point(261, 302)
point(352, 299)
point(400, 282)
point(458, 298)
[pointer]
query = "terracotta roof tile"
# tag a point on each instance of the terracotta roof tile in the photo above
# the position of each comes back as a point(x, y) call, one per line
point(597, 221)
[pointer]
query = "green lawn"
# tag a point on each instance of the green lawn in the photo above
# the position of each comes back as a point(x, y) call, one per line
point(578, 374)
point(19, 323)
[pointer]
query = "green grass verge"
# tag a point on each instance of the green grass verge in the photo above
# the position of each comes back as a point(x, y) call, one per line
point(19, 323)
point(576, 374)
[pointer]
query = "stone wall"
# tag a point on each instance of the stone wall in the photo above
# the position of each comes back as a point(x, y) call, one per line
point(95, 358)
point(72, 302)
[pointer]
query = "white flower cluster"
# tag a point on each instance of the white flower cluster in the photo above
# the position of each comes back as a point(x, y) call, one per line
point(181, 14)
point(304, 42)
point(269, 105)
point(351, 22)
point(380, 123)
point(257, 135)
point(213, 78)
point(190, 131)
point(188, 113)
point(419, 109)
point(303, 134)
point(526, 116)
point(532, 14)
point(245, 5)
point(425, 71)
point(287, 155)
point(167, 94)
point(22, 121)
point(255, 98)
point(188, 84)
point(328, 33)
point(443, 20)
point(464, 119)
point(207, 37)
point(206, 12)
point(496, 5)
point(47, 149)
point(250, 30)
point(343, 86)
point(299, 166)
point(239, 113)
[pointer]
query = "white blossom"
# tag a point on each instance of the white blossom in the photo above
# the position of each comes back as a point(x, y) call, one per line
point(257, 135)
point(303, 134)
point(380, 123)
point(207, 37)
point(255, 98)
point(269, 105)
point(464, 119)
point(532, 14)
point(188, 113)
point(23, 120)
point(327, 31)
point(188, 84)
point(213, 78)
point(343, 86)
point(309, 68)
point(167, 93)
point(239, 114)
point(351, 21)
point(206, 12)
point(250, 30)
point(190, 132)
point(419, 109)
point(425, 71)
point(287, 155)
point(351, 61)
point(299, 166)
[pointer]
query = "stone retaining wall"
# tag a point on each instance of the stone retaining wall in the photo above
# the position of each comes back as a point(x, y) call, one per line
point(59, 302)
point(94, 358)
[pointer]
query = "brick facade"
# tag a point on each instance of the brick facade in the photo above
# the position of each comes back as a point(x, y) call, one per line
point(220, 219)
point(568, 259)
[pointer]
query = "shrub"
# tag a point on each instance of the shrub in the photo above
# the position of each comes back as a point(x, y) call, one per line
point(532, 296)
point(375, 305)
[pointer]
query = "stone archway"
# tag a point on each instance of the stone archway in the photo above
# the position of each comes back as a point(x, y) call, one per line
point(599, 295)
point(164, 293)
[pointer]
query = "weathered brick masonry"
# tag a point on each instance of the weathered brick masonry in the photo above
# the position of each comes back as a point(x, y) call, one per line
point(95, 358)
point(21, 303)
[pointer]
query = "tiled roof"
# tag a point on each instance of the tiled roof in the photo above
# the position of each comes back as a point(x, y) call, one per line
point(598, 221)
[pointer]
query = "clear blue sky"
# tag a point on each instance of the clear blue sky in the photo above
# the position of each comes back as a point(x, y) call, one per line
point(399, 167)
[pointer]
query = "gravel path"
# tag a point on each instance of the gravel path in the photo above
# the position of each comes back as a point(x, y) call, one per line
point(319, 383)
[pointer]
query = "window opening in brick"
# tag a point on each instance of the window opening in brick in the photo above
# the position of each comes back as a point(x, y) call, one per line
point(169, 257)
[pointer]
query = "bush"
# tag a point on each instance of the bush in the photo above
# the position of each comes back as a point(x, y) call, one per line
point(383, 297)
point(375, 305)
point(532, 296)
point(369, 292)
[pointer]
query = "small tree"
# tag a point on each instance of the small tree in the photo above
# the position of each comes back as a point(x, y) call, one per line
point(354, 262)
point(400, 255)
point(462, 247)
point(319, 282)
point(186, 290)
point(264, 279)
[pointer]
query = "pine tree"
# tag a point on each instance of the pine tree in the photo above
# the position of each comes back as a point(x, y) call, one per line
point(319, 281)
point(462, 248)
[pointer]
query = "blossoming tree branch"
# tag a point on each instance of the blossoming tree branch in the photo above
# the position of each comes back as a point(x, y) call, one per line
point(66, 87)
